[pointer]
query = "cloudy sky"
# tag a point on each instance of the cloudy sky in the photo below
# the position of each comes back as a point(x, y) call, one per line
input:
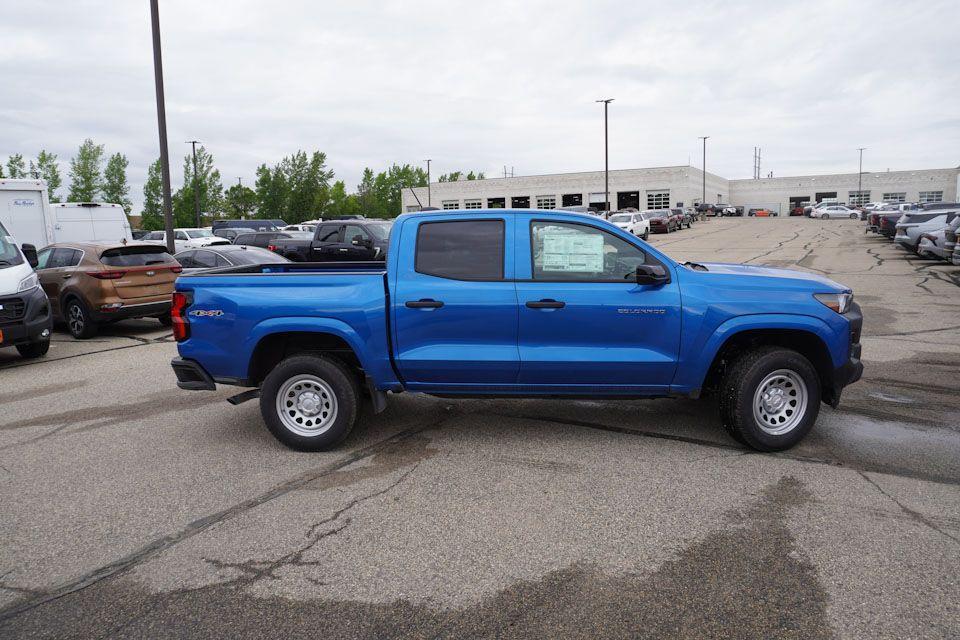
point(480, 85)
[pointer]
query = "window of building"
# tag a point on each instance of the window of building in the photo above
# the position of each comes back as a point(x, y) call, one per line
point(546, 202)
point(658, 199)
point(895, 198)
point(598, 201)
point(451, 204)
point(496, 203)
point(858, 197)
point(461, 250)
point(578, 252)
point(520, 202)
point(572, 200)
point(473, 204)
point(931, 196)
point(627, 200)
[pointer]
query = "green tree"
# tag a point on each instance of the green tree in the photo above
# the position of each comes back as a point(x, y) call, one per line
point(15, 166)
point(454, 176)
point(341, 203)
point(308, 185)
point(49, 170)
point(115, 188)
point(389, 185)
point(152, 215)
point(239, 201)
point(208, 186)
point(272, 191)
point(85, 179)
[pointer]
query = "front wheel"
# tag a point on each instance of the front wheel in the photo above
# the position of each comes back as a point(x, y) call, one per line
point(33, 350)
point(854, 216)
point(770, 398)
point(646, 234)
point(310, 403)
point(825, 216)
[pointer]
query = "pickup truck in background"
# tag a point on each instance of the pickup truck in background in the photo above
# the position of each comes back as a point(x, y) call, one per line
point(518, 303)
point(339, 240)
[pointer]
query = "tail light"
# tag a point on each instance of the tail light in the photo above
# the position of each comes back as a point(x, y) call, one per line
point(176, 269)
point(106, 275)
point(272, 247)
point(178, 314)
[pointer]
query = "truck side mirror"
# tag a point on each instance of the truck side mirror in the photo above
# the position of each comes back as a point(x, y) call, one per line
point(30, 253)
point(652, 274)
point(360, 242)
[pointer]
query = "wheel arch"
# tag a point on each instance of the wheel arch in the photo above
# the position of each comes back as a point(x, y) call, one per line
point(805, 342)
point(274, 347)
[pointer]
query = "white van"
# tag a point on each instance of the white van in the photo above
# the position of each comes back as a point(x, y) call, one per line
point(26, 212)
point(89, 222)
point(25, 320)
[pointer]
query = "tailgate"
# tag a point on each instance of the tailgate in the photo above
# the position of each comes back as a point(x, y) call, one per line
point(145, 270)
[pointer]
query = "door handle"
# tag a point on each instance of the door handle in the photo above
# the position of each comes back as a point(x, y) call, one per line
point(344, 249)
point(425, 303)
point(66, 276)
point(546, 303)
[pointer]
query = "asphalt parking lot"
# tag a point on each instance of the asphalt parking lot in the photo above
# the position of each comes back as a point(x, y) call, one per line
point(131, 509)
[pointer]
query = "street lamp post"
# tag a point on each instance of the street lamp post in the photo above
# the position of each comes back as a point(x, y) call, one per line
point(606, 155)
point(162, 126)
point(860, 178)
point(428, 182)
point(703, 197)
point(196, 182)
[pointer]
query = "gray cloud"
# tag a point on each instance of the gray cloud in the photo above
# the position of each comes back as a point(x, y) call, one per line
point(480, 85)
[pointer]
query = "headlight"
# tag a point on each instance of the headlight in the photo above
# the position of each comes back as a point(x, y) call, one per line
point(839, 302)
point(28, 283)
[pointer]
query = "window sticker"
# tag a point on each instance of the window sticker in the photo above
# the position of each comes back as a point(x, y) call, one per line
point(565, 252)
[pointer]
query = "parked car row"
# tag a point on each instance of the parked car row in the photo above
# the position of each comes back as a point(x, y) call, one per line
point(642, 223)
point(929, 230)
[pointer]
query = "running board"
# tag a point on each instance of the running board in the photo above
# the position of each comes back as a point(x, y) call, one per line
point(240, 398)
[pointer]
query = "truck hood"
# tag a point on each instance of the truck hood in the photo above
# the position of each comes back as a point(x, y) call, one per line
point(759, 271)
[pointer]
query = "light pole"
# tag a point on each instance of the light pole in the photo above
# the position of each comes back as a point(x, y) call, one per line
point(606, 155)
point(196, 183)
point(703, 200)
point(162, 127)
point(860, 178)
point(428, 182)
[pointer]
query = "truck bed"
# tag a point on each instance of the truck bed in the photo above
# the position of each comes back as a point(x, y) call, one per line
point(297, 267)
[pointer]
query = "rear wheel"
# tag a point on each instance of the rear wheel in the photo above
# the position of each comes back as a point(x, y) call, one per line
point(34, 349)
point(79, 323)
point(770, 398)
point(825, 216)
point(854, 216)
point(310, 403)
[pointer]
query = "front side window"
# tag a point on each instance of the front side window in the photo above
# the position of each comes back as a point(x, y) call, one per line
point(43, 259)
point(329, 233)
point(461, 250)
point(576, 252)
point(180, 235)
point(200, 233)
point(352, 231)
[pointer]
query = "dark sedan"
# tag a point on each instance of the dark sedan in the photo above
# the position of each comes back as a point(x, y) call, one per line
point(225, 255)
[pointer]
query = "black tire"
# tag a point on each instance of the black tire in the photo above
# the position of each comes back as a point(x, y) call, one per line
point(337, 381)
point(854, 216)
point(79, 323)
point(825, 216)
point(646, 234)
point(33, 350)
point(165, 320)
point(740, 386)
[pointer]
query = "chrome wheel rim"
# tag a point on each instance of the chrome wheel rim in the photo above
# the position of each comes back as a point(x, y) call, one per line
point(75, 319)
point(780, 402)
point(307, 405)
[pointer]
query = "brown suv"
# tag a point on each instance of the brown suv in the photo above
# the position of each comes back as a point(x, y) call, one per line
point(92, 283)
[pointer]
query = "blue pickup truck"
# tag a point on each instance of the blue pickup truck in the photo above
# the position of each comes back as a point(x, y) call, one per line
point(518, 303)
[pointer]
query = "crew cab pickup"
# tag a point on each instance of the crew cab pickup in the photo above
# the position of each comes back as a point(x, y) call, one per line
point(518, 303)
point(338, 241)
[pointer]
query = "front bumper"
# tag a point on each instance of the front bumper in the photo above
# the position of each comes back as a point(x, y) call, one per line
point(32, 324)
point(851, 370)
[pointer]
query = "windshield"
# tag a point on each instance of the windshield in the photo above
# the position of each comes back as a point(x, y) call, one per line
point(199, 233)
point(623, 217)
point(380, 230)
point(9, 254)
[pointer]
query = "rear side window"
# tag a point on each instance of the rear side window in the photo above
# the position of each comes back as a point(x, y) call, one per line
point(135, 256)
point(461, 249)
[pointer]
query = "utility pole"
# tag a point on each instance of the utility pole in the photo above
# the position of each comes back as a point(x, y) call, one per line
point(429, 199)
point(860, 178)
point(606, 154)
point(162, 126)
point(196, 183)
point(704, 138)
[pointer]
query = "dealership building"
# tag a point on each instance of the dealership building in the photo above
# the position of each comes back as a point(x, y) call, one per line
point(662, 187)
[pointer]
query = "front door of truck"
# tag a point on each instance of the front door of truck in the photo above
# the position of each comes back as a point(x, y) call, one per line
point(584, 321)
point(325, 247)
point(455, 304)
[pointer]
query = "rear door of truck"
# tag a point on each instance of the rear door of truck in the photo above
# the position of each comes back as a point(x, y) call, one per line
point(455, 304)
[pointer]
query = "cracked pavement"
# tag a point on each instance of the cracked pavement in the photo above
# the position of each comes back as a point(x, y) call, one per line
point(132, 509)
